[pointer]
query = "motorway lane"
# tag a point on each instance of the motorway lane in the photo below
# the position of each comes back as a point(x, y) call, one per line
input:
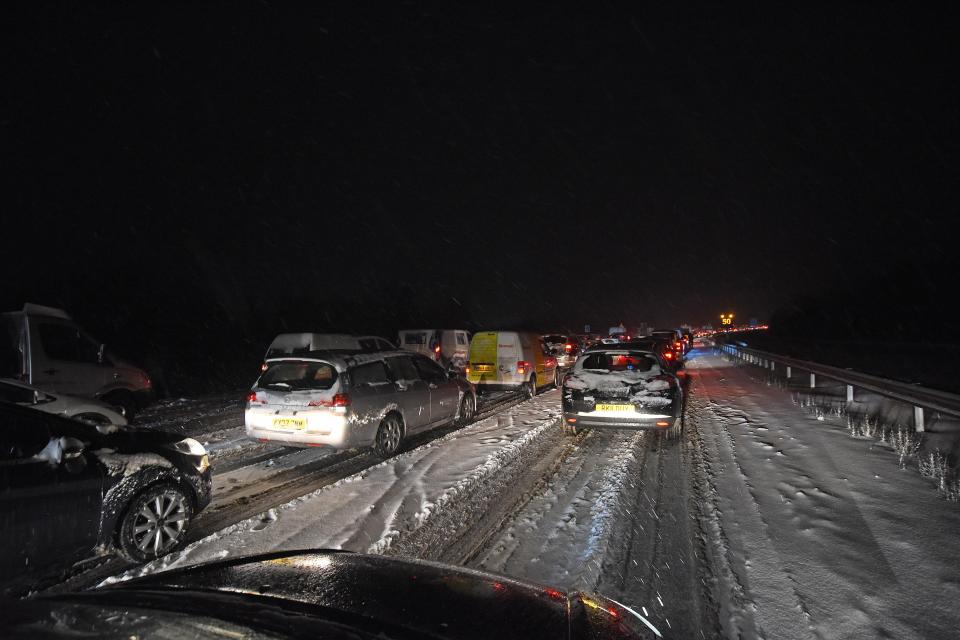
point(252, 478)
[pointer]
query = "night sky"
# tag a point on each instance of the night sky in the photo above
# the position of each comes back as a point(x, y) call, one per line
point(241, 169)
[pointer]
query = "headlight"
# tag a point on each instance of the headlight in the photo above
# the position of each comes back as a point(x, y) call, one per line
point(190, 447)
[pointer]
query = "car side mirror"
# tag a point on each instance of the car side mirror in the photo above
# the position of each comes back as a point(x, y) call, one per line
point(70, 448)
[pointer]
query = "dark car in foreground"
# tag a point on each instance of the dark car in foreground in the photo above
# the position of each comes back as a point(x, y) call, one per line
point(71, 490)
point(326, 594)
point(621, 388)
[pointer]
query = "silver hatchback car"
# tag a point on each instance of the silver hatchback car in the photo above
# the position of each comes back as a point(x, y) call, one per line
point(344, 400)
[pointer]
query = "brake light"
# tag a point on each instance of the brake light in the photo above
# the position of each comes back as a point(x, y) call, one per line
point(341, 400)
point(436, 349)
point(522, 366)
point(466, 369)
point(668, 355)
point(253, 399)
point(677, 345)
point(663, 423)
point(568, 347)
point(263, 367)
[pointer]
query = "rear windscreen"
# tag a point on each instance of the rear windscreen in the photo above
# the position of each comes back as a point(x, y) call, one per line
point(604, 361)
point(415, 338)
point(297, 375)
point(554, 339)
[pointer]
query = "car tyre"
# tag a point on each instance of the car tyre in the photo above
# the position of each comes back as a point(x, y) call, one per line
point(530, 387)
point(155, 523)
point(468, 409)
point(389, 436)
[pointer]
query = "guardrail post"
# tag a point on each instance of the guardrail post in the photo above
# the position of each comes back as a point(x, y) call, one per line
point(789, 372)
point(918, 418)
point(813, 381)
point(849, 393)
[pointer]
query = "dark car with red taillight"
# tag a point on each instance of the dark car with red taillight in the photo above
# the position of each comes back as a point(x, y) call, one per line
point(621, 388)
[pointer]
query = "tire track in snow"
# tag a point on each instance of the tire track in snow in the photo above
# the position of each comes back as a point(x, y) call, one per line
point(765, 586)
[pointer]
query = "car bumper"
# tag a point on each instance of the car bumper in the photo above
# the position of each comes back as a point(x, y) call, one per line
point(323, 429)
point(639, 421)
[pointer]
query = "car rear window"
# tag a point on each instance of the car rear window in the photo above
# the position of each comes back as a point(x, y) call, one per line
point(298, 375)
point(618, 361)
point(554, 339)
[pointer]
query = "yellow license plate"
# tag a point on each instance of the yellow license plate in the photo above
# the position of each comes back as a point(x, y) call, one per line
point(615, 408)
point(289, 423)
point(484, 368)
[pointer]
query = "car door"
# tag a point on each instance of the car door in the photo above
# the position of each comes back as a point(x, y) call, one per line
point(444, 392)
point(51, 504)
point(64, 359)
point(371, 391)
point(412, 393)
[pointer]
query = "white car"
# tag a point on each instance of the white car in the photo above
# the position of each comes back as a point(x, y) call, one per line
point(84, 409)
point(299, 344)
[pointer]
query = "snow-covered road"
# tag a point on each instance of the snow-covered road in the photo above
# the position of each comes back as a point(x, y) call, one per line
point(755, 520)
point(816, 534)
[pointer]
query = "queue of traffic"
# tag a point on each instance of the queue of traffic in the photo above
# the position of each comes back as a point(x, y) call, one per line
point(343, 391)
point(137, 490)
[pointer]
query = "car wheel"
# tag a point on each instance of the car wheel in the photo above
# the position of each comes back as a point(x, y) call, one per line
point(530, 388)
point(155, 523)
point(388, 437)
point(468, 408)
point(124, 402)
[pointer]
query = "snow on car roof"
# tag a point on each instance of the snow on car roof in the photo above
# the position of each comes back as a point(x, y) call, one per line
point(342, 358)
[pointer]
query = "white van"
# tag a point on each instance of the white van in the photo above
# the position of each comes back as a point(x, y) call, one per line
point(45, 348)
point(511, 360)
point(446, 346)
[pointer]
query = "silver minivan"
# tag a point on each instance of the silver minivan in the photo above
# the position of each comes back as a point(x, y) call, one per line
point(44, 347)
point(339, 400)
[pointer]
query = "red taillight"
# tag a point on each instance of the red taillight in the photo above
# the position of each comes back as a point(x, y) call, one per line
point(263, 367)
point(556, 595)
point(678, 345)
point(568, 347)
point(466, 369)
point(668, 355)
point(663, 423)
point(436, 349)
point(341, 400)
point(252, 398)
point(522, 366)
